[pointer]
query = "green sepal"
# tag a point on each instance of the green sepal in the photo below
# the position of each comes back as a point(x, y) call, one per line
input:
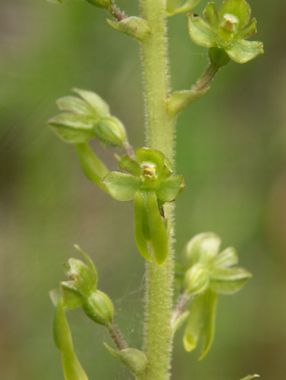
point(135, 27)
point(129, 165)
point(170, 188)
point(110, 131)
point(99, 307)
point(237, 8)
point(228, 280)
point(63, 339)
point(74, 105)
point(135, 360)
point(211, 15)
point(72, 299)
point(202, 247)
point(201, 323)
point(122, 186)
point(150, 229)
point(72, 128)
point(99, 106)
point(201, 32)
point(243, 51)
point(178, 6)
point(81, 277)
point(251, 377)
point(92, 166)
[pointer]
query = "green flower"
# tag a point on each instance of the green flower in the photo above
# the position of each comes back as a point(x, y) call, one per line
point(85, 117)
point(80, 290)
point(210, 272)
point(212, 269)
point(148, 181)
point(227, 27)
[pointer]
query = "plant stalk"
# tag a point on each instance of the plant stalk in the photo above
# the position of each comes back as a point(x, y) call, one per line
point(159, 135)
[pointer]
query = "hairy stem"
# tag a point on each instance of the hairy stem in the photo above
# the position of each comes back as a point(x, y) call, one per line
point(159, 135)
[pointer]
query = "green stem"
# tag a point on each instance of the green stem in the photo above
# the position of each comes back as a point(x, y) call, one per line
point(159, 135)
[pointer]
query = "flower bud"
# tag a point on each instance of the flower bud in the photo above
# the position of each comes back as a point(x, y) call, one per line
point(101, 3)
point(110, 131)
point(98, 307)
point(196, 280)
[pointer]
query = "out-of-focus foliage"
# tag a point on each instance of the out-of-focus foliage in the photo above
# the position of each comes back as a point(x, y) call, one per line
point(232, 153)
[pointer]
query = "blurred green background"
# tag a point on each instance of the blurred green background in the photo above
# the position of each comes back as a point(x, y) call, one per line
point(231, 150)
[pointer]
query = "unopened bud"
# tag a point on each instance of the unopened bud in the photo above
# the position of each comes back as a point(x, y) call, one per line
point(98, 306)
point(110, 131)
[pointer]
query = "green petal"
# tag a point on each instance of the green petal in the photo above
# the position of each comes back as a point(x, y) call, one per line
point(157, 227)
point(237, 8)
point(170, 188)
point(228, 280)
point(122, 186)
point(150, 230)
point(201, 32)
point(74, 105)
point(92, 166)
point(226, 258)
point(63, 338)
point(201, 323)
point(99, 106)
point(249, 30)
point(71, 128)
point(244, 51)
point(211, 15)
point(142, 232)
